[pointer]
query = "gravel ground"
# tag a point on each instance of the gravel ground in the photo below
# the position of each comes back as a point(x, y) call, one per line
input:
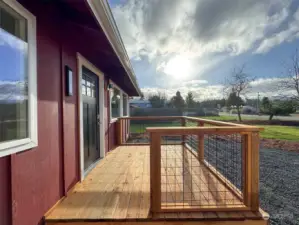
point(279, 178)
point(279, 186)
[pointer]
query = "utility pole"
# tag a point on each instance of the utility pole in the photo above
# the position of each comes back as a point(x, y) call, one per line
point(258, 103)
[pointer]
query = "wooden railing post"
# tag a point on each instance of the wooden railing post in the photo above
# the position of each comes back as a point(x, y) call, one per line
point(155, 172)
point(119, 131)
point(183, 124)
point(246, 168)
point(255, 144)
point(201, 144)
point(128, 129)
point(251, 143)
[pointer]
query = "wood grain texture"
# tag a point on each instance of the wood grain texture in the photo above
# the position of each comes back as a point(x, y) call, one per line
point(119, 124)
point(193, 119)
point(118, 189)
point(155, 172)
point(179, 222)
point(158, 118)
point(255, 142)
point(183, 124)
point(246, 148)
point(200, 130)
point(201, 144)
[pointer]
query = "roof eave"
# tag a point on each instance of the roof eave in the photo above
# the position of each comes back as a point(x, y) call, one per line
point(103, 14)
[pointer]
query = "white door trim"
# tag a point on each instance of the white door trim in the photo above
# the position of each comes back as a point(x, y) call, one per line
point(84, 62)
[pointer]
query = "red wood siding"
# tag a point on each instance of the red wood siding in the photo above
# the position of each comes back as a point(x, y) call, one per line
point(5, 193)
point(37, 173)
point(71, 125)
point(34, 180)
point(112, 136)
point(41, 176)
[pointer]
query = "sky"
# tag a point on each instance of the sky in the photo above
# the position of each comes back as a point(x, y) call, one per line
point(193, 45)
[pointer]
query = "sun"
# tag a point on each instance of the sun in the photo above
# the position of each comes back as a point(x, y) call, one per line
point(178, 67)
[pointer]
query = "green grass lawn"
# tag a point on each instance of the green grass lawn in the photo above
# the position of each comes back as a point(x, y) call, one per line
point(140, 128)
point(280, 133)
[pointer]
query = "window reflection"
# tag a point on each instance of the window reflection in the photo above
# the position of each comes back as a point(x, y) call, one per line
point(13, 80)
point(115, 103)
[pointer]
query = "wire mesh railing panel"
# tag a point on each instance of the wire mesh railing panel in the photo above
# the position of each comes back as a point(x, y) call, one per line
point(188, 182)
point(191, 141)
point(224, 154)
point(137, 129)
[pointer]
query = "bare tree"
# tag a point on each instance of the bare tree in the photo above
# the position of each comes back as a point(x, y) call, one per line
point(238, 85)
point(289, 85)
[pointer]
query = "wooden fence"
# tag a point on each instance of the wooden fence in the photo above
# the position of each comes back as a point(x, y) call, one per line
point(197, 164)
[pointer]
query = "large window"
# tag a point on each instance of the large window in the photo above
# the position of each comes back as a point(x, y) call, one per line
point(18, 128)
point(118, 102)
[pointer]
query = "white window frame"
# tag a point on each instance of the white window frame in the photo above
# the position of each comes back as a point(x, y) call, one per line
point(14, 146)
point(114, 119)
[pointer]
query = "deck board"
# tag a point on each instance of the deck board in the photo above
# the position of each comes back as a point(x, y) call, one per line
point(119, 188)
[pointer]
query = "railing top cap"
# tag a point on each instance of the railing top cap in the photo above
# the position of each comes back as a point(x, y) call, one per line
point(195, 130)
point(194, 119)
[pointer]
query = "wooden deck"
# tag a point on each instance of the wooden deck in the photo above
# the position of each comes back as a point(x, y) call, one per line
point(118, 189)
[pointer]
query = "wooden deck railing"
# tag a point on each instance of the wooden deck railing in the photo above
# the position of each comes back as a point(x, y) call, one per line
point(197, 164)
point(132, 130)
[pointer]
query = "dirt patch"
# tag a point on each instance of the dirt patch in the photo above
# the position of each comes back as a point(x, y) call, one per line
point(273, 143)
point(280, 144)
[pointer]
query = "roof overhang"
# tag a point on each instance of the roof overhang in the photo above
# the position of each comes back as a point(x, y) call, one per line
point(104, 17)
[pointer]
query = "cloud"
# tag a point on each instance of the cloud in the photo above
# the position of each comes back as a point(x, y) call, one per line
point(10, 40)
point(196, 27)
point(186, 39)
point(195, 82)
point(286, 35)
point(235, 26)
point(12, 91)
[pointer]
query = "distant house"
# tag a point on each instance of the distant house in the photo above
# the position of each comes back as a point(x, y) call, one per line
point(138, 103)
point(247, 109)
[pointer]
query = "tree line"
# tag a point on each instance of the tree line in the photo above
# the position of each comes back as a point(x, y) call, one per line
point(232, 102)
